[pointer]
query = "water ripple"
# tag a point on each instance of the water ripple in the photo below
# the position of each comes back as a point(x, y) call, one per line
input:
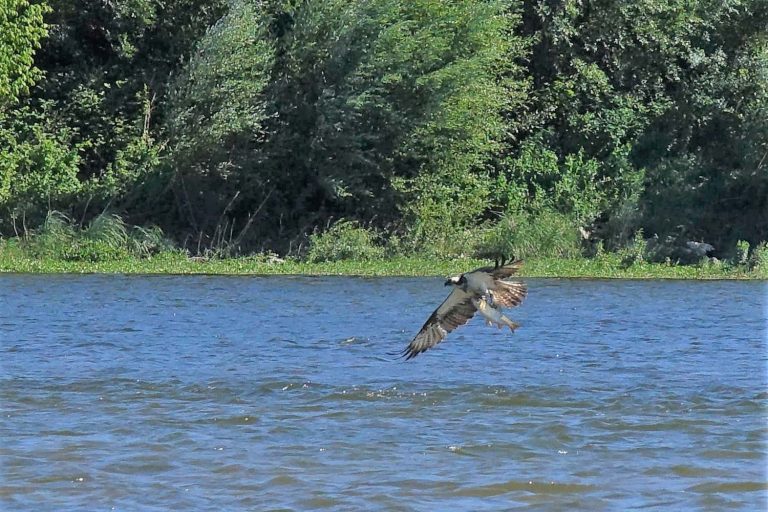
point(206, 393)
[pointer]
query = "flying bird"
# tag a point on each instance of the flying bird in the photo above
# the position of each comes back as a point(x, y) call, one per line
point(486, 289)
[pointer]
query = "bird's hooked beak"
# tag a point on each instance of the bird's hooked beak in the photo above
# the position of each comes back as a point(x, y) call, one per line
point(452, 281)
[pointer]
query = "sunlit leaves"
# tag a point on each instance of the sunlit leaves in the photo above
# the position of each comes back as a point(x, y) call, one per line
point(21, 30)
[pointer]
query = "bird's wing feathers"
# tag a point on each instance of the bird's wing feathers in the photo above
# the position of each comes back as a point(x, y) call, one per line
point(505, 271)
point(505, 293)
point(509, 293)
point(456, 310)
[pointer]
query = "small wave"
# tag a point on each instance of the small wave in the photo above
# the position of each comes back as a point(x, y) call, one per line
point(729, 487)
point(355, 340)
point(230, 469)
point(141, 465)
point(284, 480)
point(317, 502)
point(64, 433)
point(485, 491)
point(659, 426)
point(535, 399)
point(370, 394)
point(731, 454)
point(58, 478)
point(692, 471)
point(236, 420)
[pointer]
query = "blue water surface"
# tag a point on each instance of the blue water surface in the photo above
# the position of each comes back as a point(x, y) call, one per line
point(279, 393)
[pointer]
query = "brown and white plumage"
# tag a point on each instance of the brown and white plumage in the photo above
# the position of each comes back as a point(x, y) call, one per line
point(455, 311)
point(459, 307)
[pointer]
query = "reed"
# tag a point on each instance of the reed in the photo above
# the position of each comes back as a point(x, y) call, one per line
point(110, 245)
point(106, 238)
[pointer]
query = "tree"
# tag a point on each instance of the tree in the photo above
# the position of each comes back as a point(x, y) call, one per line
point(21, 30)
point(217, 109)
point(317, 110)
point(385, 108)
point(108, 65)
point(661, 103)
point(706, 157)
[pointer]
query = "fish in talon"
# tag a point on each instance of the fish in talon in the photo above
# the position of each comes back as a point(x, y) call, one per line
point(492, 315)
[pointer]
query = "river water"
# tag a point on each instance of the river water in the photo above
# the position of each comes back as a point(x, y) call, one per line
point(279, 393)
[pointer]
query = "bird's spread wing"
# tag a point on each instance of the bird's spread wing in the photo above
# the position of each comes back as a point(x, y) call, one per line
point(505, 271)
point(506, 293)
point(456, 310)
point(509, 293)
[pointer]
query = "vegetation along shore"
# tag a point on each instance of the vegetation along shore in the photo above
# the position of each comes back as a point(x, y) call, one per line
point(381, 137)
point(179, 264)
point(107, 247)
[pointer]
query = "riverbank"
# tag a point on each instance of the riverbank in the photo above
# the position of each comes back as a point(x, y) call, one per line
point(607, 266)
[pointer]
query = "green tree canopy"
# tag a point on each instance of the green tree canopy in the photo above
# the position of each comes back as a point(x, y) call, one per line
point(21, 29)
point(255, 124)
point(347, 109)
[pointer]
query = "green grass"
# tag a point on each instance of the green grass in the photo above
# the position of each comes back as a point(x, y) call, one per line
point(13, 259)
point(109, 245)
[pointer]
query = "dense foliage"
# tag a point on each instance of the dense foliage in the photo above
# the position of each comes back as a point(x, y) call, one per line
point(346, 128)
point(21, 29)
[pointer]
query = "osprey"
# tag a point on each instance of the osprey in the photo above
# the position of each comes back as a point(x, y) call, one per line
point(486, 288)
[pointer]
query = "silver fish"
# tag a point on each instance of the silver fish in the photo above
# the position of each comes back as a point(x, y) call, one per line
point(493, 315)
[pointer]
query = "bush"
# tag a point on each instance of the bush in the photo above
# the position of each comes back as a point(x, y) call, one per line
point(53, 237)
point(216, 122)
point(497, 239)
point(38, 170)
point(345, 240)
point(759, 257)
point(537, 179)
point(636, 251)
point(124, 182)
point(21, 30)
point(107, 238)
point(146, 242)
point(85, 249)
point(444, 236)
point(524, 235)
point(741, 255)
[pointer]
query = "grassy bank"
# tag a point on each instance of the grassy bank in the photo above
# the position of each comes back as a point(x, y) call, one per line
point(608, 266)
point(109, 245)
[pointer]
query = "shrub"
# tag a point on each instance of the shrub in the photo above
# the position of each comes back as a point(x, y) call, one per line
point(146, 242)
point(217, 110)
point(741, 255)
point(497, 239)
point(444, 237)
point(538, 179)
point(54, 236)
point(107, 238)
point(38, 169)
point(636, 251)
point(546, 234)
point(85, 249)
point(21, 30)
point(759, 258)
point(345, 240)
